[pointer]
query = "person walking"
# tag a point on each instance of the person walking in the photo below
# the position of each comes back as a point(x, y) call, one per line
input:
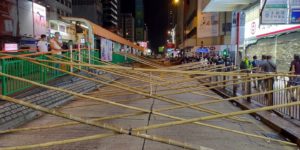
point(43, 44)
point(269, 66)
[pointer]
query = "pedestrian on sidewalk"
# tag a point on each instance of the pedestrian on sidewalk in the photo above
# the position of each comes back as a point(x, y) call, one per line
point(43, 44)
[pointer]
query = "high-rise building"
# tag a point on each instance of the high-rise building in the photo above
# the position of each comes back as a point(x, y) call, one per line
point(111, 11)
point(127, 26)
point(171, 17)
point(139, 20)
point(88, 9)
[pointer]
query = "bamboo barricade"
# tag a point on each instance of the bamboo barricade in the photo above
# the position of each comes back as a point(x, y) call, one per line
point(157, 97)
point(140, 113)
point(210, 111)
point(104, 125)
point(137, 91)
point(91, 97)
point(182, 119)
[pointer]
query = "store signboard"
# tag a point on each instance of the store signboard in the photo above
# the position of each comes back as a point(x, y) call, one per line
point(255, 30)
point(280, 12)
point(295, 15)
point(10, 47)
point(274, 11)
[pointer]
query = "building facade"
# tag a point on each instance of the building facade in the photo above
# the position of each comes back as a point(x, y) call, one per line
point(196, 28)
point(57, 8)
point(93, 10)
point(127, 26)
point(111, 12)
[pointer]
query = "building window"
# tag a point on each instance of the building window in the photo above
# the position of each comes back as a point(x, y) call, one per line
point(58, 11)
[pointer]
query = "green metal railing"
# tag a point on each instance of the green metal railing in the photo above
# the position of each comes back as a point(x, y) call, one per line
point(28, 70)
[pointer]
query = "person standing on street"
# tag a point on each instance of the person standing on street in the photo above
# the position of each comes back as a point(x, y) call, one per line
point(55, 44)
point(43, 44)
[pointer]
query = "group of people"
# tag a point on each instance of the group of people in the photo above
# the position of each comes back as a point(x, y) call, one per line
point(55, 45)
point(266, 64)
point(210, 59)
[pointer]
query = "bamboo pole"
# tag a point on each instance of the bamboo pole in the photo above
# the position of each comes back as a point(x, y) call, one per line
point(61, 142)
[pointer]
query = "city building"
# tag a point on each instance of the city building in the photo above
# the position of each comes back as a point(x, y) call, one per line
point(93, 10)
point(171, 16)
point(127, 26)
point(111, 11)
point(139, 20)
point(195, 28)
point(57, 8)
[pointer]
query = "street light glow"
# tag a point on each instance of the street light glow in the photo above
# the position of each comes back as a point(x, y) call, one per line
point(176, 1)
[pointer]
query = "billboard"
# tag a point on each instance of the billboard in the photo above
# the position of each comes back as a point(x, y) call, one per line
point(139, 20)
point(208, 23)
point(106, 49)
point(39, 20)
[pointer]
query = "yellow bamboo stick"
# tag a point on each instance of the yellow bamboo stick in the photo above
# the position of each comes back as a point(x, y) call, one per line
point(60, 142)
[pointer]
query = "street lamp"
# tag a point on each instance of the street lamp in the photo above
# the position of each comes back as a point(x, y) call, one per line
point(176, 1)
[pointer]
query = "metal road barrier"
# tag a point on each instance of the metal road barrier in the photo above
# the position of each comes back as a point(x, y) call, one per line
point(28, 70)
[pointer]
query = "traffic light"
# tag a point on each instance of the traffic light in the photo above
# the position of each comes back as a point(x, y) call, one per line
point(225, 52)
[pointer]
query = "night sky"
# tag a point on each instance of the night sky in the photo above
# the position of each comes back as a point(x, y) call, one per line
point(156, 18)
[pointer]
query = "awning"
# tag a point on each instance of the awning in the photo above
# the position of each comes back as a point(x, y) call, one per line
point(226, 5)
point(102, 32)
